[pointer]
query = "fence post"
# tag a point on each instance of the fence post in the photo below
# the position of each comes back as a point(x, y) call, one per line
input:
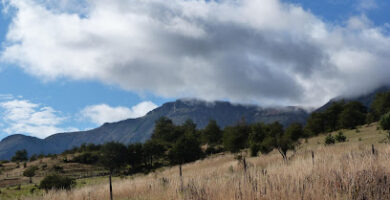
point(312, 157)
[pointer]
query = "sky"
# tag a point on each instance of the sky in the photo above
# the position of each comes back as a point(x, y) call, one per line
point(71, 65)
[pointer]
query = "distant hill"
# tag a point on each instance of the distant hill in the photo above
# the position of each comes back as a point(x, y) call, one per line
point(365, 99)
point(140, 129)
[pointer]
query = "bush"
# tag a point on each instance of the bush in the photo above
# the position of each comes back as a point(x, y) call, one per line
point(340, 137)
point(56, 182)
point(211, 150)
point(30, 172)
point(58, 169)
point(86, 158)
point(33, 158)
point(329, 140)
point(44, 166)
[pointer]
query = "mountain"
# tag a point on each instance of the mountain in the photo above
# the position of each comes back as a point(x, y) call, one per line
point(140, 129)
point(365, 99)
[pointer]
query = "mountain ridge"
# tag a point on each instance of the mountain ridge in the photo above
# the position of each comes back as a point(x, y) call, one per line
point(366, 99)
point(140, 129)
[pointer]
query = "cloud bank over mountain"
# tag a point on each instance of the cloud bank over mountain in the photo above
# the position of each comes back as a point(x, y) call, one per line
point(258, 51)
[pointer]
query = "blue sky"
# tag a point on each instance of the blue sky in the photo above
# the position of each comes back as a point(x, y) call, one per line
point(68, 67)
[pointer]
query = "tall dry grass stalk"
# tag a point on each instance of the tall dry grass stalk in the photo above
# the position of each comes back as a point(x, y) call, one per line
point(347, 171)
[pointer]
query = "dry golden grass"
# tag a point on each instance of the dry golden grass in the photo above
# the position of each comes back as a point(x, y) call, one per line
point(342, 171)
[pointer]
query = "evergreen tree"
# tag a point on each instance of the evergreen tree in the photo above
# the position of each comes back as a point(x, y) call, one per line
point(287, 140)
point(113, 157)
point(256, 137)
point(316, 123)
point(20, 156)
point(186, 149)
point(331, 115)
point(30, 172)
point(235, 138)
point(153, 150)
point(212, 134)
point(136, 157)
point(385, 122)
point(380, 105)
point(353, 114)
point(165, 131)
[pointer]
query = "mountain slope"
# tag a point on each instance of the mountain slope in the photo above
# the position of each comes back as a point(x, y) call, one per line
point(140, 129)
point(365, 99)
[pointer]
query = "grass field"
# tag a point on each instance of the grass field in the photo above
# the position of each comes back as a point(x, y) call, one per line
point(13, 185)
point(342, 171)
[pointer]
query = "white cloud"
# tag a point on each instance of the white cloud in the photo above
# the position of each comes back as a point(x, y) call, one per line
point(25, 117)
point(103, 113)
point(262, 51)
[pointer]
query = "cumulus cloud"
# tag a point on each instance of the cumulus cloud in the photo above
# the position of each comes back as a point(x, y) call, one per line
point(103, 113)
point(257, 51)
point(25, 117)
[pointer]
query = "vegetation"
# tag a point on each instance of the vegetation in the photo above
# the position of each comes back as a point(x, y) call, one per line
point(30, 172)
point(172, 144)
point(340, 137)
point(56, 182)
point(113, 157)
point(350, 171)
point(20, 156)
point(212, 134)
point(86, 158)
point(385, 121)
point(380, 106)
point(339, 115)
point(329, 139)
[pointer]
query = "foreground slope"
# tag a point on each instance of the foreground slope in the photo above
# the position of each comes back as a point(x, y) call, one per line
point(140, 129)
point(342, 171)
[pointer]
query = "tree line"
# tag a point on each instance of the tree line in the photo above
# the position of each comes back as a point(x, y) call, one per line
point(347, 115)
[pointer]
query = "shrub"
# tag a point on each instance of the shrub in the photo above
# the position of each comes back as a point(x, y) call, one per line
point(211, 150)
point(56, 182)
point(86, 158)
point(33, 158)
point(329, 140)
point(4, 161)
point(44, 166)
point(30, 172)
point(340, 137)
point(357, 130)
point(58, 169)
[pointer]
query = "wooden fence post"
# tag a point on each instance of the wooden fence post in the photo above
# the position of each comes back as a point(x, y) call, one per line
point(312, 157)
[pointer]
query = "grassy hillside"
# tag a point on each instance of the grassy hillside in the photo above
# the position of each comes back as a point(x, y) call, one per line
point(342, 171)
point(13, 184)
